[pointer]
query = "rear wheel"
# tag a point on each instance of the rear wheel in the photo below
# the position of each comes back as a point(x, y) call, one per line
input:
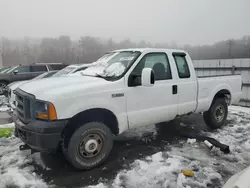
point(89, 145)
point(216, 116)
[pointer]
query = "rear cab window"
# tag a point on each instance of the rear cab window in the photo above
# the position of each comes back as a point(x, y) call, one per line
point(38, 68)
point(56, 66)
point(181, 65)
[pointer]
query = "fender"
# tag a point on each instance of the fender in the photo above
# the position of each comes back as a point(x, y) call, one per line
point(76, 107)
point(222, 86)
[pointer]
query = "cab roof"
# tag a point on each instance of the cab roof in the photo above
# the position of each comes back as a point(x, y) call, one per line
point(150, 49)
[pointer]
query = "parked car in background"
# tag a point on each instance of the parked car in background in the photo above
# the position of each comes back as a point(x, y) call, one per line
point(71, 69)
point(135, 87)
point(26, 72)
point(12, 86)
point(4, 69)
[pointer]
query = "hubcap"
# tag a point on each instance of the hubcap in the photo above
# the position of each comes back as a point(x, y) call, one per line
point(219, 113)
point(90, 145)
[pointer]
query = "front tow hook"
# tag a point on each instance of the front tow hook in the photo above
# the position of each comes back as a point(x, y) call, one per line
point(24, 147)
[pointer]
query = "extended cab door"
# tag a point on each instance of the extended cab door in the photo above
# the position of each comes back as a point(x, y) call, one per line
point(186, 84)
point(158, 103)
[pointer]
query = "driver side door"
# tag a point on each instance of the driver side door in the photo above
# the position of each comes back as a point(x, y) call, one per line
point(158, 103)
point(22, 73)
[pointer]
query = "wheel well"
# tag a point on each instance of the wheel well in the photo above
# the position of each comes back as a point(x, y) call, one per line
point(97, 114)
point(223, 94)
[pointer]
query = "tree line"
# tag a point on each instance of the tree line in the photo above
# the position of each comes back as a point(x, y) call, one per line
point(87, 49)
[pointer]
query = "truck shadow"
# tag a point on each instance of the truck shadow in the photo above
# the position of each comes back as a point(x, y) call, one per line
point(60, 173)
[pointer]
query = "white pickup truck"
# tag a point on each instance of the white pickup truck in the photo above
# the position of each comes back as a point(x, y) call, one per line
point(124, 89)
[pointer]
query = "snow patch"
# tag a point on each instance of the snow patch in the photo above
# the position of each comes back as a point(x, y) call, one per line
point(4, 108)
point(15, 166)
point(9, 125)
point(211, 167)
point(191, 140)
point(159, 171)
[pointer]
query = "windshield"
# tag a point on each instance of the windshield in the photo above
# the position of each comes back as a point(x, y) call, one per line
point(11, 69)
point(65, 70)
point(44, 75)
point(5, 70)
point(112, 64)
point(106, 57)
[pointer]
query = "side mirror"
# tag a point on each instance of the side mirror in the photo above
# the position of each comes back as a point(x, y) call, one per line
point(147, 77)
point(15, 71)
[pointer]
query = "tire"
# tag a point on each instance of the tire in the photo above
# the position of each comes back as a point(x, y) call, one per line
point(89, 146)
point(216, 116)
point(3, 85)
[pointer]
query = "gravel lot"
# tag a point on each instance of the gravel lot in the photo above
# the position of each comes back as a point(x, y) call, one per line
point(136, 163)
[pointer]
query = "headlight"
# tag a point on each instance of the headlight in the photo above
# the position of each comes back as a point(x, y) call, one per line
point(45, 110)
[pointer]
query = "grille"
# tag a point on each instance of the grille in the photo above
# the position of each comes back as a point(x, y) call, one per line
point(23, 107)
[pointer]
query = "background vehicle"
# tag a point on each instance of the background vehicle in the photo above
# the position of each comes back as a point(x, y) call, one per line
point(71, 69)
point(135, 87)
point(4, 69)
point(26, 72)
point(65, 71)
point(11, 87)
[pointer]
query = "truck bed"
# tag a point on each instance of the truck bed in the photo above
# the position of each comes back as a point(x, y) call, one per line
point(208, 86)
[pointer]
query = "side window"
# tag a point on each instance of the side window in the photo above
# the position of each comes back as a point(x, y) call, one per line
point(182, 66)
point(57, 66)
point(156, 61)
point(38, 68)
point(22, 69)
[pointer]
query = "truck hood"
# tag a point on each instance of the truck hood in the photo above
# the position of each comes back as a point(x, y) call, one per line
point(15, 85)
point(48, 88)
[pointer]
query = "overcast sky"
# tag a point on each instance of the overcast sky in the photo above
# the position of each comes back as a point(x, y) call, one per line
point(183, 21)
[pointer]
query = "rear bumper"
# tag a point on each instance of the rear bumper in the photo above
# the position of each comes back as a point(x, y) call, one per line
point(40, 135)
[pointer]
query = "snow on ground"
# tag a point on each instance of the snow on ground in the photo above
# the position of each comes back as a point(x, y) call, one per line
point(163, 169)
point(8, 125)
point(3, 104)
point(212, 168)
point(15, 166)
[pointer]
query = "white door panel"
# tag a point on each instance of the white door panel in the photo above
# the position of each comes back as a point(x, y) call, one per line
point(187, 84)
point(149, 105)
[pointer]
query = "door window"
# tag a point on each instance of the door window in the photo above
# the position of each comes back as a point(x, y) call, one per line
point(182, 66)
point(22, 69)
point(39, 68)
point(57, 66)
point(158, 62)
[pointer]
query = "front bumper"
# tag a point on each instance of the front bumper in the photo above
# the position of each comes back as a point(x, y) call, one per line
point(41, 136)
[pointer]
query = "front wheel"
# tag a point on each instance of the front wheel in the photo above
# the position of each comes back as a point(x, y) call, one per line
point(216, 116)
point(89, 145)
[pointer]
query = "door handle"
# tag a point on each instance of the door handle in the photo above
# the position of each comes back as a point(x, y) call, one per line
point(174, 89)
